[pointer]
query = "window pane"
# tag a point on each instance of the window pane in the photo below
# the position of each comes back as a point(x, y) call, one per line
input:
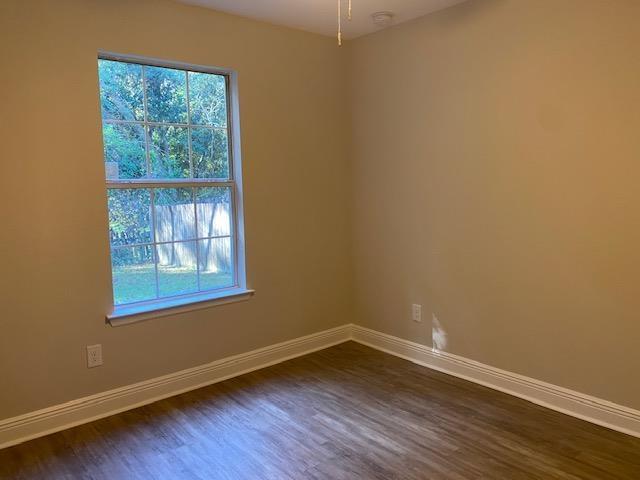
point(133, 274)
point(175, 214)
point(177, 273)
point(169, 152)
point(129, 216)
point(121, 90)
point(213, 205)
point(124, 151)
point(216, 266)
point(166, 95)
point(166, 124)
point(210, 153)
point(208, 99)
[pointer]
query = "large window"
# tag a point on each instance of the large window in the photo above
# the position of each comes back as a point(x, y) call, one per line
point(172, 183)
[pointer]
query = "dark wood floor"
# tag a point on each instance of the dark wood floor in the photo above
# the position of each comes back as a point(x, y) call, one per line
point(347, 412)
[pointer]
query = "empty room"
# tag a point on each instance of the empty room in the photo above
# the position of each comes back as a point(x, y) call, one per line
point(320, 239)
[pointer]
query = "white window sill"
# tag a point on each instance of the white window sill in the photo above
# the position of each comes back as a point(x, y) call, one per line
point(126, 314)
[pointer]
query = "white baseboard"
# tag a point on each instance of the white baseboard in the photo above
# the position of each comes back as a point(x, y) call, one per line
point(76, 412)
point(585, 407)
point(59, 417)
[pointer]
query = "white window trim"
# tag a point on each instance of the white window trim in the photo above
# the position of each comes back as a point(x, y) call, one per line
point(138, 312)
point(135, 312)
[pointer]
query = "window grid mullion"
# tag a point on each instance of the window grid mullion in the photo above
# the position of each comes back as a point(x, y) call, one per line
point(169, 242)
point(233, 236)
point(153, 237)
point(229, 127)
point(193, 190)
point(170, 184)
point(195, 213)
point(117, 121)
point(232, 175)
point(144, 123)
point(186, 74)
point(152, 194)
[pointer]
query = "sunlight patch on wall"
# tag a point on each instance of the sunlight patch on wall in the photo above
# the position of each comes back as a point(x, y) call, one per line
point(438, 335)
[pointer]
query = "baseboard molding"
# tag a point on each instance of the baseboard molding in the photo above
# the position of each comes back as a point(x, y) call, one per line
point(60, 417)
point(76, 412)
point(585, 407)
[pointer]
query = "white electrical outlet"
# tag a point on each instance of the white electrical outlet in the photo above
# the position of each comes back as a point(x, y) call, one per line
point(94, 355)
point(416, 312)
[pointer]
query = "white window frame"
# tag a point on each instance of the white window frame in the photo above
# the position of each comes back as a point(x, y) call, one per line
point(134, 312)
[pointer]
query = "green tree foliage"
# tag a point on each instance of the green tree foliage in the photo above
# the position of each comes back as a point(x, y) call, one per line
point(130, 223)
point(166, 95)
point(129, 216)
point(207, 99)
point(124, 150)
point(209, 149)
point(121, 90)
point(169, 152)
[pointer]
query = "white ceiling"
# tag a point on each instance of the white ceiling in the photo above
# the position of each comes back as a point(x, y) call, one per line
point(320, 16)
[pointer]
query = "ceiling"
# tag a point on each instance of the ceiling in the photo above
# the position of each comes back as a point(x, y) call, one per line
point(319, 16)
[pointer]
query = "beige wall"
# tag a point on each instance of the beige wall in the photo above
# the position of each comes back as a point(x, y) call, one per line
point(55, 282)
point(493, 173)
point(496, 147)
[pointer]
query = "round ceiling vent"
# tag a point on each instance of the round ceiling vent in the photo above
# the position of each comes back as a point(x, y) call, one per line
point(382, 19)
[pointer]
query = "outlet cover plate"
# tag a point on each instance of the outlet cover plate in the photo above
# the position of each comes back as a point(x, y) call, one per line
point(94, 355)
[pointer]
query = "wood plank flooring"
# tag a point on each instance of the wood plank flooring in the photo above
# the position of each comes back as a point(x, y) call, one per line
point(348, 412)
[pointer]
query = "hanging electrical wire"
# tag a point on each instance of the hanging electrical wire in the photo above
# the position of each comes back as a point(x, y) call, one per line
point(339, 22)
point(340, 19)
